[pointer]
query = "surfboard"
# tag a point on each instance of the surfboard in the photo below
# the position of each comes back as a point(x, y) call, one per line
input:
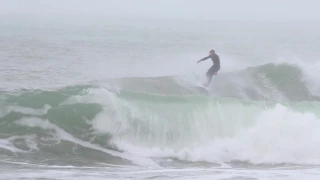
point(202, 86)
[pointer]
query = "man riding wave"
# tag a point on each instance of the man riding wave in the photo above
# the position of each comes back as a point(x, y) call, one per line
point(214, 68)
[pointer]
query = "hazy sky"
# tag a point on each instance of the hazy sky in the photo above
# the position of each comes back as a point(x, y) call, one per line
point(208, 9)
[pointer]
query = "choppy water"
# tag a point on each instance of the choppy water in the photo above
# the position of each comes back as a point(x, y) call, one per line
point(119, 100)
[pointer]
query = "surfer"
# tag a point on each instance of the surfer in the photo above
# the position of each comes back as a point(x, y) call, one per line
point(214, 68)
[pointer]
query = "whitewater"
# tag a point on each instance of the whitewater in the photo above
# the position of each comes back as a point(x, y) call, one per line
point(119, 100)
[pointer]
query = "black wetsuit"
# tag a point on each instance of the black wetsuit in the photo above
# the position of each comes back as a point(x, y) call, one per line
point(216, 64)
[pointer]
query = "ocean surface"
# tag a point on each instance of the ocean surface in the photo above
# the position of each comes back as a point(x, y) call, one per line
point(119, 99)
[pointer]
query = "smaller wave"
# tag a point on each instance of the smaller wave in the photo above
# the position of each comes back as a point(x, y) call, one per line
point(62, 135)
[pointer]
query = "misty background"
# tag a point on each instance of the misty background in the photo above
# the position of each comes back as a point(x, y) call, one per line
point(82, 40)
point(285, 10)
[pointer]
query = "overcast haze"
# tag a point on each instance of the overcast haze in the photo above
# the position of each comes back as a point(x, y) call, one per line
point(175, 9)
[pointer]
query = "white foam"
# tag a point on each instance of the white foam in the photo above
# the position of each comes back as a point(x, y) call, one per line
point(29, 141)
point(210, 133)
point(6, 144)
point(97, 173)
point(92, 95)
point(25, 110)
point(279, 135)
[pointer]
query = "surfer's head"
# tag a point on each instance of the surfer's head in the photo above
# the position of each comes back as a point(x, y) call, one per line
point(211, 51)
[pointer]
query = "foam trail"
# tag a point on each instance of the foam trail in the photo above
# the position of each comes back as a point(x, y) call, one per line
point(25, 110)
point(6, 144)
point(30, 111)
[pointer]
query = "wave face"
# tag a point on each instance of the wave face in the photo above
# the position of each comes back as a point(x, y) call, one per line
point(261, 115)
point(269, 82)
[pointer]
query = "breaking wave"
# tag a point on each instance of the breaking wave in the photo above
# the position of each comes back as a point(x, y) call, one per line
point(264, 114)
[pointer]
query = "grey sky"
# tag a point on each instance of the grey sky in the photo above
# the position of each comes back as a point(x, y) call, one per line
point(208, 9)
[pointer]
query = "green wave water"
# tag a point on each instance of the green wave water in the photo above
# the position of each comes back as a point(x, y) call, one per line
point(130, 121)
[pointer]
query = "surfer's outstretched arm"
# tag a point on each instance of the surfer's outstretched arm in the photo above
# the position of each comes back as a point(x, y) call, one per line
point(203, 59)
